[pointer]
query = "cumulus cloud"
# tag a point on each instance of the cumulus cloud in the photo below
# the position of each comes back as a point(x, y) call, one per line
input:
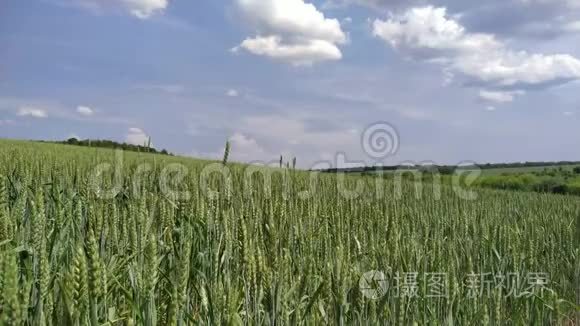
point(428, 34)
point(32, 112)
point(85, 110)
point(137, 136)
point(246, 149)
point(291, 31)
point(141, 9)
point(299, 54)
point(536, 19)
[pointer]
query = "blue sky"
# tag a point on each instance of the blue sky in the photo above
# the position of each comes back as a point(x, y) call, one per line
point(460, 80)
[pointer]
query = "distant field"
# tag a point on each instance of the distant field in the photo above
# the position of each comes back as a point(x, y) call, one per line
point(557, 179)
point(498, 171)
point(527, 169)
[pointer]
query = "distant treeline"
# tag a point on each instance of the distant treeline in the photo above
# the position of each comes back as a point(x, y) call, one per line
point(113, 145)
point(554, 178)
point(450, 169)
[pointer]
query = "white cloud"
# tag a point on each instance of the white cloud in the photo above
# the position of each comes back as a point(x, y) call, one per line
point(427, 34)
point(137, 136)
point(141, 9)
point(294, 17)
point(490, 108)
point(246, 149)
point(32, 112)
point(498, 96)
point(520, 70)
point(568, 113)
point(85, 110)
point(292, 31)
point(232, 93)
point(298, 54)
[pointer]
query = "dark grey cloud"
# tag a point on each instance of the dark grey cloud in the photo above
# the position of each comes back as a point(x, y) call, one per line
point(517, 18)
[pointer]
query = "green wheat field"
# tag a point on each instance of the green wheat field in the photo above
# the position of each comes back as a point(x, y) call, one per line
point(138, 245)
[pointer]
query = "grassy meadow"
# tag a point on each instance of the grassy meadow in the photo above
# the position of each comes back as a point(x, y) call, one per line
point(158, 240)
